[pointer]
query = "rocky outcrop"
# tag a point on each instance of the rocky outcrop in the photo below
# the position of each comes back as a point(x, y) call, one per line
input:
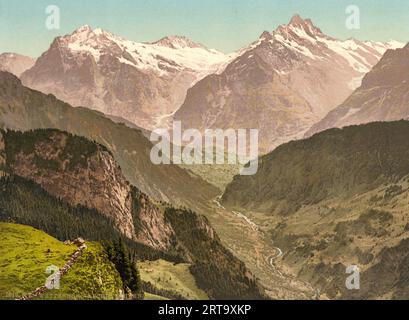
point(151, 227)
point(76, 170)
point(85, 173)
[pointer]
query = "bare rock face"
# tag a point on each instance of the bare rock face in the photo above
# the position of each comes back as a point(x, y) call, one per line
point(151, 227)
point(78, 172)
point(84, 173)
point(15, 63)
point(281, 84)
point(383, 95)
point(140, 82)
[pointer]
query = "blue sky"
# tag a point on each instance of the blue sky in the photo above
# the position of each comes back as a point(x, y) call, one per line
point(226, 25)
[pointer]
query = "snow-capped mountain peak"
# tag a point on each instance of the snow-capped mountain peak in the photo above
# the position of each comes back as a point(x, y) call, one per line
point(177, 42)
point(266, 36)
point(298, 28)
point(141, 82)
point(308, 41)
point(168, 55)
point(83, 29)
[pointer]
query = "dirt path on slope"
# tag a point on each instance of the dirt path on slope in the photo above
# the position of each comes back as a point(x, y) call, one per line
point(63, 271)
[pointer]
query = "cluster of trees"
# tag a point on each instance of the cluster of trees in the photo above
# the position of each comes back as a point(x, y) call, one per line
point(169, 294)
point(126, 266)
point(76, 149)
point(216, 270)
point(25, 202)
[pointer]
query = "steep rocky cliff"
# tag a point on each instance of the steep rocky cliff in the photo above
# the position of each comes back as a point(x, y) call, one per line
point(151, 227)
point(74, 169)
point(85, 173)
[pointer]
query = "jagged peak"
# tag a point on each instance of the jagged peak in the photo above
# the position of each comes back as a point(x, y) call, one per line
point(298, 23)
point(296, 19)
point(86, 31)
point(83, 29)
point(176, 41)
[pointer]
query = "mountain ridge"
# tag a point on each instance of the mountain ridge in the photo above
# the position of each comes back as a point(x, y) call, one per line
point(381, 97)
point(15, 63)
point(25, 109)
point(141, 82)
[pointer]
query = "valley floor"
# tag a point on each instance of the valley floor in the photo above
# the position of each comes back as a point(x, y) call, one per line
point(252, 245)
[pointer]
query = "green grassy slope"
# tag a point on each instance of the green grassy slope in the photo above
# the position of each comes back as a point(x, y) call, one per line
point(171, 277)
point(152, 297)
point(25, 253)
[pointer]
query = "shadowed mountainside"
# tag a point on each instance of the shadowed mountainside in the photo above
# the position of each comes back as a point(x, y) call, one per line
point(337, 199)
point(25, 109)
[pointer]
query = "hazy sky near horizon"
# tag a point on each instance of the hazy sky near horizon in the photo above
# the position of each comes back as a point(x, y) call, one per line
point(226, 25)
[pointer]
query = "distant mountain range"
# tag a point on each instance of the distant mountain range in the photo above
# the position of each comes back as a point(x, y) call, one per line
point(284, 82)
point(281, 84)
point(140, 82)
